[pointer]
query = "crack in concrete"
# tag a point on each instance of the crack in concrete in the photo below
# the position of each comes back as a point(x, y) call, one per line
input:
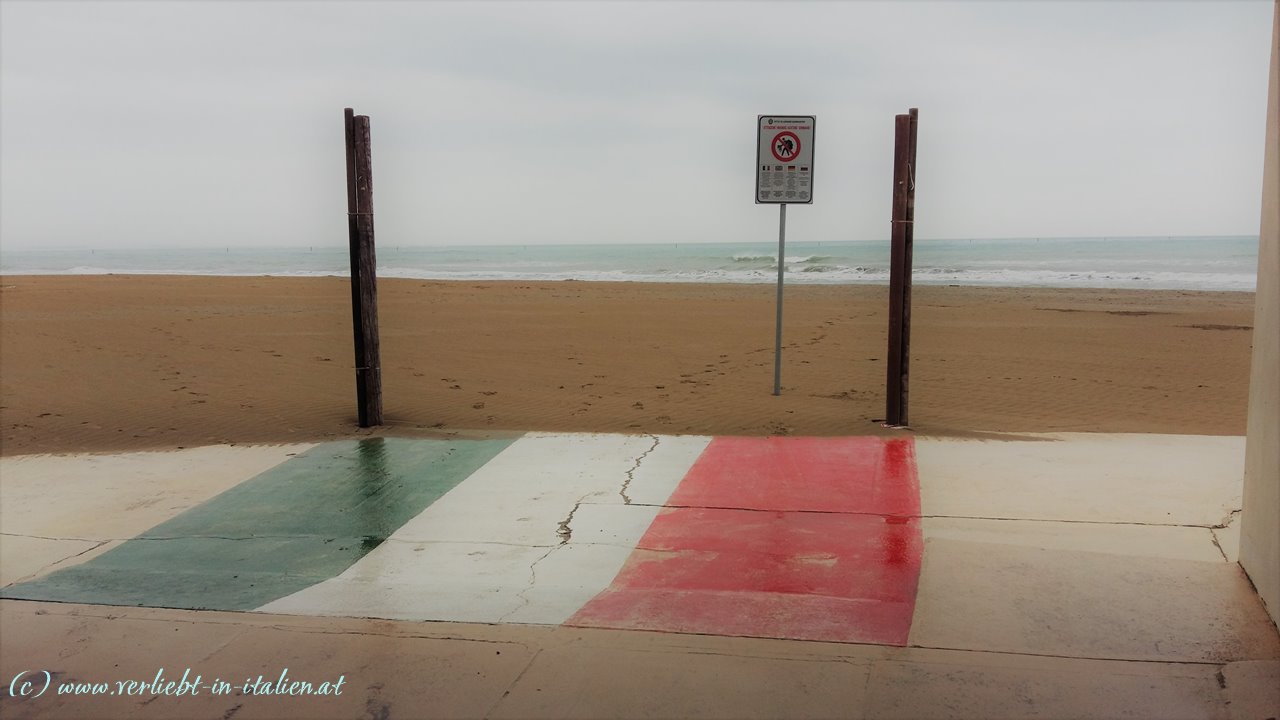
point(533, 580)
point(226, 642)
point(1227, 519)
point(246, 623)
point(82, 552)
point(392, 635)
point(410, 541)
point(1054, 520)
point(53, 566)
point(192, 537)
point(45, 537)
point(672, 649)
point(1222, 551)
point(1023, 653)
point(626, 500)
point(512, 686)
point(926, 517)
point(169, 537)
point(564, 531)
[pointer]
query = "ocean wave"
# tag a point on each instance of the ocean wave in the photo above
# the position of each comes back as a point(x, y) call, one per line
point(773, 258)
point(869, 275)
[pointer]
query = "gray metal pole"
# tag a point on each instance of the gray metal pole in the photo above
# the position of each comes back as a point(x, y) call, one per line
point(782, 266)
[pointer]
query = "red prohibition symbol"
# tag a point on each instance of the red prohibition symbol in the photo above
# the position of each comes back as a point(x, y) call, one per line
point(786, 146)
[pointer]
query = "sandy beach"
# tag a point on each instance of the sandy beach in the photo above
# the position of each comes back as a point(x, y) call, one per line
point(99, 363)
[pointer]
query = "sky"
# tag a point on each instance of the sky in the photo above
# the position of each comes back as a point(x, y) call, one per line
point(209, 124)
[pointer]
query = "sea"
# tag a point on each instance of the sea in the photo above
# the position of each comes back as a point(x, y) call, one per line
point(1174, 263)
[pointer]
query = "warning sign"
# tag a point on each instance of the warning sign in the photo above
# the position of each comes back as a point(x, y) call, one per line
point(784, 158)
point(785, 146)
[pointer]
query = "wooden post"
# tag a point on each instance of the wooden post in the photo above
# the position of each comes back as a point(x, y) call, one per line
point(904, 199)
point(364, 281)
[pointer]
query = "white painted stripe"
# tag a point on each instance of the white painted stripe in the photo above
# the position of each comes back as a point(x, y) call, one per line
point(491, 549)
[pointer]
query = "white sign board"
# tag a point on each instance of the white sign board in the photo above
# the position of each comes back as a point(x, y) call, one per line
point(784, 159)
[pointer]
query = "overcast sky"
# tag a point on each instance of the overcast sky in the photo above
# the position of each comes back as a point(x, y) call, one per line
point(212, 124)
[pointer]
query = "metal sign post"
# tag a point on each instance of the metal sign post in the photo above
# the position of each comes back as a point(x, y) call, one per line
point(782, 266)
point(784, 175)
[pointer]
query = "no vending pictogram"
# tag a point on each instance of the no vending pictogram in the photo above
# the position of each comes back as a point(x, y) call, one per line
point(785, 146)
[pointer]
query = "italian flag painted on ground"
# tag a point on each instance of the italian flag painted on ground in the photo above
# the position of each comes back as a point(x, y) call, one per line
point(804, 538)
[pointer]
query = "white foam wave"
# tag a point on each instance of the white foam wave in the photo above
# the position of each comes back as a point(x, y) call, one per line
point(773, 258)
point(823, 275)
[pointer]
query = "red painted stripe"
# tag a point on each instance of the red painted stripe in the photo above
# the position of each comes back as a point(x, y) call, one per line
point(825, 546)
point(849, 474)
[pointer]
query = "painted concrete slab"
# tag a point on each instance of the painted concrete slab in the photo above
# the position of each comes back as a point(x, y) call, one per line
point(115, 497)
point(391, 672)
point(1159, 479)
point(522, 495)
point(530, 537)
point(1022, 688)
point(570, 683)
point(818, 474)
point(1179, 543)
point(809, 557)
point(463, 582)
point(1253, 688)
point(295, 525)
point(396, 669)
point(808, 576)
point(646, 531)
point(657, 474)
point(566, 579)
point(387, 670)
point(59, 510)
point(1024, 599)
point(24, 558)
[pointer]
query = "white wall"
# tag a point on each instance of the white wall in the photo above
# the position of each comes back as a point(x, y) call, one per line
point(1260, 521)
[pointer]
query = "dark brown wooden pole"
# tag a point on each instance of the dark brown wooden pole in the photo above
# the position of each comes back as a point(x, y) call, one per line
point(353, 241)
point(364, 281)
point(908, 252)
point(897, 384)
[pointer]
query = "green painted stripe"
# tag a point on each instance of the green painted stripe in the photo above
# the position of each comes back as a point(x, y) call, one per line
point(297, 524)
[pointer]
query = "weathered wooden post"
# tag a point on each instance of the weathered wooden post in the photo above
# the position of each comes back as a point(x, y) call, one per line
point(364, 281)
point(904, 204)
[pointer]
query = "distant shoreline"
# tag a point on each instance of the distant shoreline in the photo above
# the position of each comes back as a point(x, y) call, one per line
point(5, 277)
point(1191, 263)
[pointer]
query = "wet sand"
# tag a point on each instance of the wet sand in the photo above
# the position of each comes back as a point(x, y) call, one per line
point(99, 363)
